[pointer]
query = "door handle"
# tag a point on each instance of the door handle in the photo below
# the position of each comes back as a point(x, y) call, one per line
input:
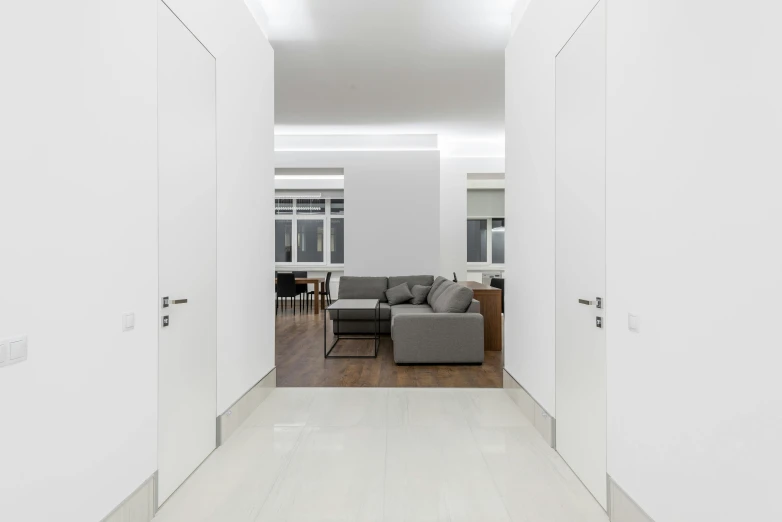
point(598, 301)
point(178, 301)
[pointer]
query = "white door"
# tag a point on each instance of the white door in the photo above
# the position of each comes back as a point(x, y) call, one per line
point(187, 253)
point(580, 253)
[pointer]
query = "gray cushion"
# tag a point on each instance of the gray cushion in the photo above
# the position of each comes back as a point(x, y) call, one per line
point(384, 311)
point(455, 299)
point(352, 287)
point(423, 280)
point(410, 309)
point(419, 294)
point(398, 294)
point(435, 289)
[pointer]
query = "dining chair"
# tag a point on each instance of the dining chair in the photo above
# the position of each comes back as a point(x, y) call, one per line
point(499, 282)
point(326, 289)
point(286, 288)
point(301, 290)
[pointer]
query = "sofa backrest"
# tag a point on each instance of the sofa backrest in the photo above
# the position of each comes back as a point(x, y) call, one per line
point(423, 280)
point(353, 287)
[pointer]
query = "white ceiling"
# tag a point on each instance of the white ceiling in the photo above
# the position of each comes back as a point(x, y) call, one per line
point(392, 67)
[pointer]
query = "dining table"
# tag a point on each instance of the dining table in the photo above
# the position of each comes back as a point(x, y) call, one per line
point(318, 283)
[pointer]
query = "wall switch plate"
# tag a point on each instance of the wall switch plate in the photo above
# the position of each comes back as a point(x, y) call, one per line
point(4, 353)
point(13, 350)
point(634, 323)
point(128, 321)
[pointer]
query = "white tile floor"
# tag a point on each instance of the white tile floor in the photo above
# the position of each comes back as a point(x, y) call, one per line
point(370, 454)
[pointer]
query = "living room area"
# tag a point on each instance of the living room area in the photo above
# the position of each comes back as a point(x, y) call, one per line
point(378, 268)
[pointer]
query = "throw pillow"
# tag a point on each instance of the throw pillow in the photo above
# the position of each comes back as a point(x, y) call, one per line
point(419, 294)
point(399, 294)
point(455, 299)
point(435, 287)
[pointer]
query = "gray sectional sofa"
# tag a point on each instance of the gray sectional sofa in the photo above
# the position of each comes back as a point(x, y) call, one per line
point(447, 328)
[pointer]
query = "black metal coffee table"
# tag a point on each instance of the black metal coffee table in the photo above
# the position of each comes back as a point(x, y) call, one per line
point(353, 305)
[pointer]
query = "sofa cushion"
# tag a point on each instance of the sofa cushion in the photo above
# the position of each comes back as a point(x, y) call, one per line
point(455, 299)
point(410, 309)
point(423, 280)
point(398, 294)
point(419, 294)
point(384, 310)
point(433, 292)
point(353, 287)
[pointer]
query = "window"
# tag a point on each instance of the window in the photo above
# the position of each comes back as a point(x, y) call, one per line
point(498, 241)
point(306, 233)
point(483, 247)
point(476, 241)
point(310, 207)
point(337, 207)
point(338, 241)
point(283, 231)
point(283, 207)
point(309, 241)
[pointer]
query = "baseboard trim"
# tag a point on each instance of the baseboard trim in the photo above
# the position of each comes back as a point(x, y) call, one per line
point(229, 422)
point(535, 413)
point(621, 506)
point(139, 506)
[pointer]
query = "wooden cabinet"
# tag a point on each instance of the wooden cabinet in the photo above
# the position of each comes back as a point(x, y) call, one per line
point(491, 310)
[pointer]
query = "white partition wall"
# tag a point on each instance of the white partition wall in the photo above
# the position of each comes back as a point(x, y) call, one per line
point(392, 207)
point(692, 217)
point(80, 158)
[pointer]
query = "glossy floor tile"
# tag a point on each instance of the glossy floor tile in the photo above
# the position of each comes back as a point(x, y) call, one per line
point(377, 454)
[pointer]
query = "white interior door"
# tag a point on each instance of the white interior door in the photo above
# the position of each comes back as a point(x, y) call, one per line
point(580, 253)
point(187, 253)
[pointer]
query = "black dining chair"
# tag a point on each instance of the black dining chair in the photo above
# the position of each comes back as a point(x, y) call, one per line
point(499, 282)
point(286, 288)
point(454, 278)
point(326, 290)
point(301, 290)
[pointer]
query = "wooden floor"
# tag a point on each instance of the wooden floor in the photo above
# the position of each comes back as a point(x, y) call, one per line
point(300, 362)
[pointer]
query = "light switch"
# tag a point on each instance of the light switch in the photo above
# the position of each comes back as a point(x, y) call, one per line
point(634, 323)
point(128, 321)
point(17, 350)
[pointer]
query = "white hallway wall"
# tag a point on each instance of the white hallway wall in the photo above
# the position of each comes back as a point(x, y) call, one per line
point(453, 209)
point(80, 241)
point(695, 408)
point(392, 210)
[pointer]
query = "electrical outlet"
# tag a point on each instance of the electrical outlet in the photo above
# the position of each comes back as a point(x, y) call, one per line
point(128, 321)
point(634, 323)
point(3, 353)
point(13, 350)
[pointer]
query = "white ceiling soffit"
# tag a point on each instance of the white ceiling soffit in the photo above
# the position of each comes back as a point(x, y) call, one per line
point(308, 173)
point(392, 67)
point(290, 143)
point(492, 184)
point(486, 175)
point(486, 180)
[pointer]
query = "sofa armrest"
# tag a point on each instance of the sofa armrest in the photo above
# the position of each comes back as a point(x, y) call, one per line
point(474, 308)
point(438, 338)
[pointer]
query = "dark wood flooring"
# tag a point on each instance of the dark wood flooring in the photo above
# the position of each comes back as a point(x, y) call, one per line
point(300, 362)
